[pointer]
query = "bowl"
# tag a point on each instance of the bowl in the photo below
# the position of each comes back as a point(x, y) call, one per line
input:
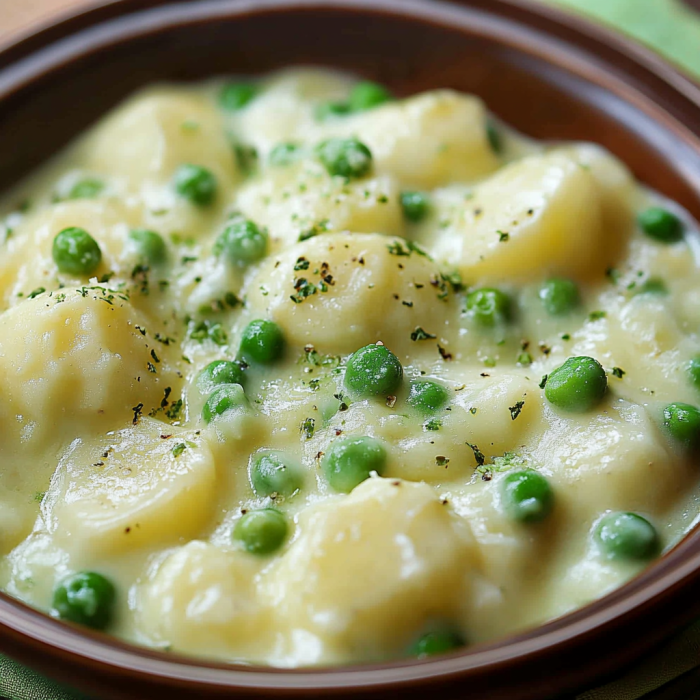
point(549, 74)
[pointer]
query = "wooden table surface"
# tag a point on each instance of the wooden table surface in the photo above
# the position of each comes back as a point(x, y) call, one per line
point(19, 15)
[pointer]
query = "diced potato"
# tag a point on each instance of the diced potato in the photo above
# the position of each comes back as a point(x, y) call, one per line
point(294, 201)
point(380, 288)
point(426, 141)
point(202, 600)
point(544, 215)
point(367, 571)
point(146, 485)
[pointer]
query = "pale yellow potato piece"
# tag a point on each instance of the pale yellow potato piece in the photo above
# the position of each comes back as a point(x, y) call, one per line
point(75, 361)
point(356, 576)
point(426, 141)
point(614, 459)
point(295, 200)
point(364, 300)
point(543, 215)
point(129, 490)
point(155, 132)
point(202, 600)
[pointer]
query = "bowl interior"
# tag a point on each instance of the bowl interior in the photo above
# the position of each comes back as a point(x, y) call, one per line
point(533, 70)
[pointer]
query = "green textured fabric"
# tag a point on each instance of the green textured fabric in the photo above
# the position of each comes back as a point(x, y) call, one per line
point(674, 31)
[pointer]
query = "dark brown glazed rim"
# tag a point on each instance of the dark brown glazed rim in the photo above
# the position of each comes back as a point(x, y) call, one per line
point(662, 122)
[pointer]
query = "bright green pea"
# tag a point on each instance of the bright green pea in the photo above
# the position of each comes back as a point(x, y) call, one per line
point(328, 110)
point(493, 135)
point(350, 460)
point(373, 371)
point(195, 183)
point(345, 157)
point(694, 371)
point(438, 642)
point(76, 252)
point(559, 296)
point(223, 399)
point(262, 341)
point(243, 242)
point(415, 205)
point(261, 531)
point(86, 598)
point(682, 422)
point(427, 397)
point(217, 373)
point(89, 188)
point(626, 536)
point(653, 285)
point(578, 385)
point(150, 245)
point(274, 473)
point(284, 154)
point(489, 306)
point(661, 225)
point(235, 96)
point(526, 496)
point(366, 95)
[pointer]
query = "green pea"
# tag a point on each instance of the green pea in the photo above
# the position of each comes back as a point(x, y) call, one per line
point(223, 399)
point(235, 96)
point(86, 598)
point(262, 341)
point(366, 95)
point(273, 473)
point(89, 188)
point(284, 154)
point(150, 245)
point(694, 371)
point(345, 157)
point(438, 642)
point(243, 242)
point(415, 205)
point(195, 183)
point(526, 496)
point(217, 373)
point(350, 460)
point(661, 225)
point(261, 531)
point(76, 252)
point(493, 135)
point(626, 536)
point(559, 296)
point(682, 422)
point(489, 306)
point(328, 110)
point(427, 397)
point(578, 385)
point(373, 371)
point(654, 286)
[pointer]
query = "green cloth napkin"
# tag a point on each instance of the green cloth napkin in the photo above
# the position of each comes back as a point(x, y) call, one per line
point(672, 29)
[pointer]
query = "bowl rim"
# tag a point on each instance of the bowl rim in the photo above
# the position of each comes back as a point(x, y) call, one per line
point(51, 45)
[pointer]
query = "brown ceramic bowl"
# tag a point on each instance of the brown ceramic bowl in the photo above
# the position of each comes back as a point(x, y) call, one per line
point(550, 75)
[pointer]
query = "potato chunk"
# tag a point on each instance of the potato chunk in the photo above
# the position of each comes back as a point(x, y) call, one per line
point(371, 276)
point(366, 572)
point(131, 489)
point(543, 215)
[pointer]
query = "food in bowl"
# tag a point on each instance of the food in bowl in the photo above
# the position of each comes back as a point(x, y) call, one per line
point(298, 373)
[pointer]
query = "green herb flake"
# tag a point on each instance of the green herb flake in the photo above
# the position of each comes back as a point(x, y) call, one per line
point(618, 372)
point(515, 410)
point(432, 424)
point(179, 449)
point(301, 264)
point(596, 315)
point(543, 382)
point(442, 461)
point(308, 427)
point(478, 454)
point(503, 236)
point(36, 292)
point(174, 411)
point(524, 359)
point(420, 334)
